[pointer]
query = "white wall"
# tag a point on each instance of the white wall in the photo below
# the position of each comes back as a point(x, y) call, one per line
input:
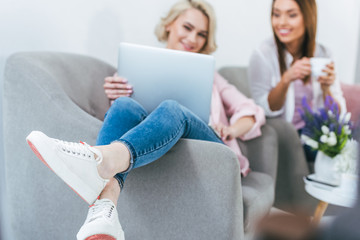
point(339, 30)
point(95, 27)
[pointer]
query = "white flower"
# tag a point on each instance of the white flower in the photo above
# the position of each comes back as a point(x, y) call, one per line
point(324, 139)
point(331, 114)
point(312, 143)
point(347, 117)
point(308, 141)
point(347, 130)
point(347, 163)
point(325, 129)
point(332, 134)
point(332, 141)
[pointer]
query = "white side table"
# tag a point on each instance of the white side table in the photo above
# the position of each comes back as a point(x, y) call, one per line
point(327, 195)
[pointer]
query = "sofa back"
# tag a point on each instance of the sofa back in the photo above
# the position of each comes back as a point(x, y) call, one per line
point(238, 77)
point(81, 77)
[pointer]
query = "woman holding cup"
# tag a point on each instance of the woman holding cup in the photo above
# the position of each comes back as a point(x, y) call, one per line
point(284, 68)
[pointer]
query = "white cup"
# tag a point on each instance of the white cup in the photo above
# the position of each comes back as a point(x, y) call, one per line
point(318, 64)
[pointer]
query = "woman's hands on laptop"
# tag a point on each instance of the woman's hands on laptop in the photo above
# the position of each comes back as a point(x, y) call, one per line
point(116, 86)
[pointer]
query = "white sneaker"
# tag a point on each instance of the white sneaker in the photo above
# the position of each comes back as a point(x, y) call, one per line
point(74, 163)
point(102, 223)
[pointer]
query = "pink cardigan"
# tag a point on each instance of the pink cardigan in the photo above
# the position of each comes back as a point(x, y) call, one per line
point(227, 106)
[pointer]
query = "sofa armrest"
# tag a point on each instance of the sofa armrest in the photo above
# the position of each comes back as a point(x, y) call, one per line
point(192, 195)
point(262, 151)
point(292, 167)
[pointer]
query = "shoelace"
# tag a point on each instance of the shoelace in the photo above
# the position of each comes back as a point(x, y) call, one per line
point(105, 208)
point(79, 149)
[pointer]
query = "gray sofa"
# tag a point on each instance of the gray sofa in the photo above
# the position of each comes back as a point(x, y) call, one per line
point(193, 192)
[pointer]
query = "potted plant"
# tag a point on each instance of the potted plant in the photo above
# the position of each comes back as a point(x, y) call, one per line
point(330, 134)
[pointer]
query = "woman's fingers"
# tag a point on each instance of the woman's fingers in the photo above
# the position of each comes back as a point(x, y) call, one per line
point(116, 87)
point(123, 86)
point(115, 79)
point(329, 77)
point(300, 69)
point(117, 91)
point(326, 80)
point(227, 133)
point(331, 66)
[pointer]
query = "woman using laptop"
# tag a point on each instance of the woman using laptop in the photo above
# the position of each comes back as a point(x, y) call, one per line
point(280, 69)
point(132, 138)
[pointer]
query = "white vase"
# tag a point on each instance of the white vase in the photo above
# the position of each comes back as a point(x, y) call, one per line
point(325, 168)
point(349, 184)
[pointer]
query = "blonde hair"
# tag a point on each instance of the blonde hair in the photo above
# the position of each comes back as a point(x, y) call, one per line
point(179, 8)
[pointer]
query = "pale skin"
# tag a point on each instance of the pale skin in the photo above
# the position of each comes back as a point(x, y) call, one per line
point(288, 24)
point(239, 128)
point(188, 32)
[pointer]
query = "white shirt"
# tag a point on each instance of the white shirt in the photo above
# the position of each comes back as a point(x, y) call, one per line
point(264, 75)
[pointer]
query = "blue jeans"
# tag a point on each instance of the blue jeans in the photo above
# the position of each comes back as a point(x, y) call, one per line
point(150, 136)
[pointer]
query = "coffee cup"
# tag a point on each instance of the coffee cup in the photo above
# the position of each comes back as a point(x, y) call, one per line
point(318, 65)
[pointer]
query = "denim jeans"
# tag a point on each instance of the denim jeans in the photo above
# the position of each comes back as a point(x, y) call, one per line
point(150, 136)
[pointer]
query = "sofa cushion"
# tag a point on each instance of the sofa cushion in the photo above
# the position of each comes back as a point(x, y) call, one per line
point(258, 197)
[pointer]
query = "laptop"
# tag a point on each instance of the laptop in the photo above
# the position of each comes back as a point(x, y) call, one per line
point(158, 74)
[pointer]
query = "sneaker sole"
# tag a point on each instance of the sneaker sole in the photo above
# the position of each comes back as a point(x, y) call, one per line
point(60, 169)
point(100, 237)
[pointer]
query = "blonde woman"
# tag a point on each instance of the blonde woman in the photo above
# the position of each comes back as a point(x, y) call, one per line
point(131, 138)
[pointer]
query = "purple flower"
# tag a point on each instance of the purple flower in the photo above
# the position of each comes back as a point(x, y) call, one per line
point(328, 116)
point(328, 102)
point(324, 114)
point(332, 127)
point(339, 129)
point(307, 108)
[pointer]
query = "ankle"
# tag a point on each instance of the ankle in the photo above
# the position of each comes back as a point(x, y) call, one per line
point(111, 191)
point(116, 159)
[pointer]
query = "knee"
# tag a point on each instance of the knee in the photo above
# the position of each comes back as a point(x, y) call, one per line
point(126, 105)
point(122, 102)
point(170, 105)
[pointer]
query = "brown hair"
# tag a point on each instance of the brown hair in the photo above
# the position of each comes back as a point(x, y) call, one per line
point(308, 9)
point(179, 8)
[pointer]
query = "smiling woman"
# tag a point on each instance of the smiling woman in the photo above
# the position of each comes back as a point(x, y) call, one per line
point(295, 28)
point(280, 70)
point(188, 32)
point(189, 17)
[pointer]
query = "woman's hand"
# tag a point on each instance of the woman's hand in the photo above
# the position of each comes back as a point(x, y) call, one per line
point(300, 69)
point(225, 132)
point(327, 80)
point(239, 128)
point(116, 86)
